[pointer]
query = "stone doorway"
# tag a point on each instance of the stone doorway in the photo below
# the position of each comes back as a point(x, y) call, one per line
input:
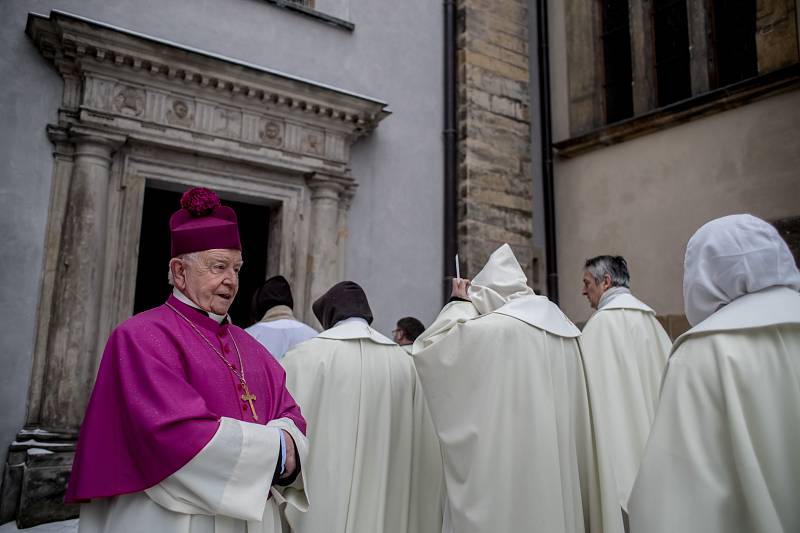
point(152, 287)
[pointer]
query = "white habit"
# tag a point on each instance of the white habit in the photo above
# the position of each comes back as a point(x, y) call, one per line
point(373, 465)
point(625, 350)
point(723, 452)
point(219, 491)
point(506, 390)
point(279, 331)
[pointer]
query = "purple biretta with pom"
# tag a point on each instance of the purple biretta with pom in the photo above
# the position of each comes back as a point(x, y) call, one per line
point(203, 223)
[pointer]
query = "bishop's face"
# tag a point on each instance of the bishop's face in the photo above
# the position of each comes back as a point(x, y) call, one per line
point(594, 290)
point(212, 280)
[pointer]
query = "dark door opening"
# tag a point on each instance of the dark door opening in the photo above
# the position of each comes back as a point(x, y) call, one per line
point(152, 287)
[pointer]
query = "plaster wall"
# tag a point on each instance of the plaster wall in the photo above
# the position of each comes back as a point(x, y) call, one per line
point(644, 198)
point(394, 54)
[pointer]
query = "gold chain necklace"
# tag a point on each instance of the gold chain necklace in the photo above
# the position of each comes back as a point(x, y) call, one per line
point(248, 396)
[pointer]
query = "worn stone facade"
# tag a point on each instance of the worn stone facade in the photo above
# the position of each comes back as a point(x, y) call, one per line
point(495, 189)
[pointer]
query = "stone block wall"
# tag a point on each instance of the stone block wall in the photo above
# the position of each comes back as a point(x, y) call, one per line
point(495, 188)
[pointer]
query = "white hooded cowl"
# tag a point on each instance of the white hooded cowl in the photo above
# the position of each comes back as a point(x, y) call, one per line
point(730, 257)
point(722, 453)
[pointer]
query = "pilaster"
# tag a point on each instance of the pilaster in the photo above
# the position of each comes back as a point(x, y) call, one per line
point(323, 255)
point(75, 315)
point(345, 199)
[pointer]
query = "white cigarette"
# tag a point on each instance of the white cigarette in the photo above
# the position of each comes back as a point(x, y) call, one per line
point(458, 270)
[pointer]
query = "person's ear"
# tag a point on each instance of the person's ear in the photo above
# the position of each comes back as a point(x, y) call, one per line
point(606, 282)
point(178, 269)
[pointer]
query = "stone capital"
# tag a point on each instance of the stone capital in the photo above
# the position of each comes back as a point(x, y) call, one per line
point(90, 145)
point(324, 186)
point(62, 147)
point(346, 196)
point(94, 139)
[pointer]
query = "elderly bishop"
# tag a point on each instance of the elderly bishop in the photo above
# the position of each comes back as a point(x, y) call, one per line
point(190, 427)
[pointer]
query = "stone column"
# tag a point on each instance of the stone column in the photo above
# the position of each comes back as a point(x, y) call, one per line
point(323, 253)
point(642, 65)
point(63, 160)
point(72, 339)
point(700, 55)
point(345, 199)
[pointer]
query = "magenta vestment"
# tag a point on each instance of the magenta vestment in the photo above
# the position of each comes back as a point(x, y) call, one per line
point(159, 395)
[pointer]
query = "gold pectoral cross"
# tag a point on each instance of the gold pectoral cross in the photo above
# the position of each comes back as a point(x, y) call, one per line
point(248, 397)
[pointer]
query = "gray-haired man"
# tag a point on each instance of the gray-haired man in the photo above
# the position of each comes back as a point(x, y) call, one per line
point(625, 350)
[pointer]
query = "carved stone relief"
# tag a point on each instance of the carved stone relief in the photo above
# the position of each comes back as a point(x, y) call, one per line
point(271, 133)
point(227, 122)
point(313, 143)
point(187, 111)
point(128, 101)
point(180, 112)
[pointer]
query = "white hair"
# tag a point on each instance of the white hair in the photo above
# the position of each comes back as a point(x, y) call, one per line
point(192, 257)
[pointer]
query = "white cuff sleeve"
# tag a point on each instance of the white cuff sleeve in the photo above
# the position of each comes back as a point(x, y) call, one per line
point(231, 476)
point(294, 494)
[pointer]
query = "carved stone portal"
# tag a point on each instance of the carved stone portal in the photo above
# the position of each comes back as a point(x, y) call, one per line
point(138, 111)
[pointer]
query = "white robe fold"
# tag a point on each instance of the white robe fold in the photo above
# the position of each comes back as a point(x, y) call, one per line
point(373, 465)
point(723, 451)
point(625, 350)
point(223, 489)
point(510, 407)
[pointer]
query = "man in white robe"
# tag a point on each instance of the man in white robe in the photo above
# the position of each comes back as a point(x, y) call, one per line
point(723, 452)
point(625, 350)
point(376, 465)
point(502, 374)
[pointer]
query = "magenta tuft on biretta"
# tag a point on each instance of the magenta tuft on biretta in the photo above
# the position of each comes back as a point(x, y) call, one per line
point(203, 223)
